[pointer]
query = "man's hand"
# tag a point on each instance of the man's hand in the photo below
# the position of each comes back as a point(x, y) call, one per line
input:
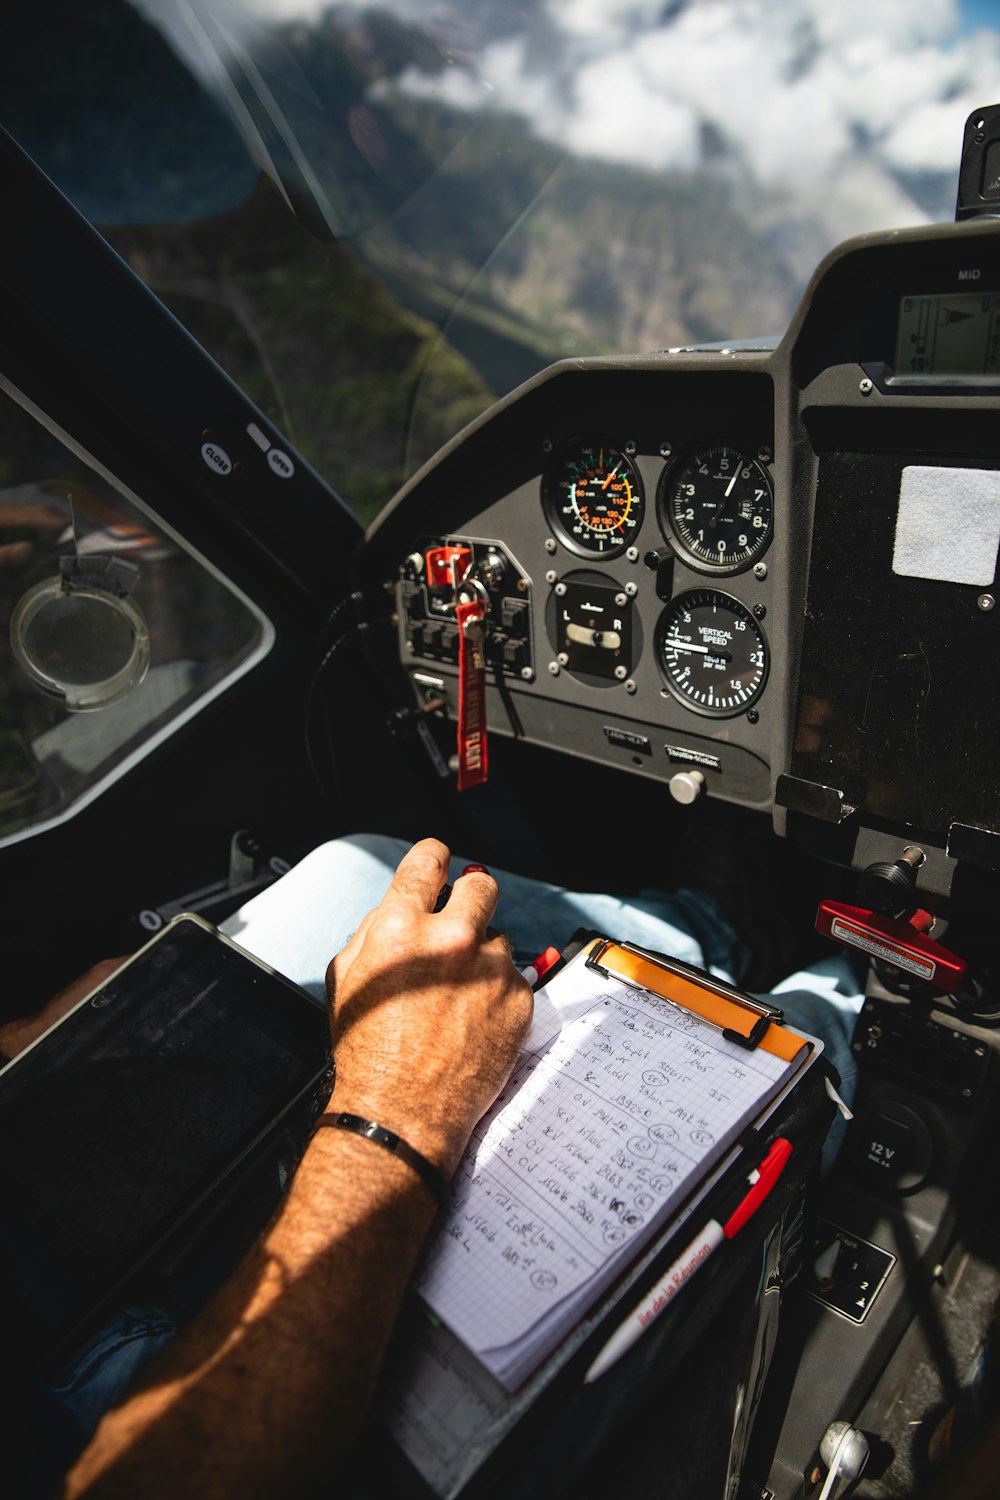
point(20, 1033)
point(429, 1013)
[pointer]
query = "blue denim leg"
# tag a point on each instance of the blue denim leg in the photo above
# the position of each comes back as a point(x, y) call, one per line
point(96, 1376)
point(298, 923)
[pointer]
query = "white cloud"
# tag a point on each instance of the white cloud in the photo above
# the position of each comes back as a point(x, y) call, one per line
point(615, 114)
point(588, 18)
point(829, 101)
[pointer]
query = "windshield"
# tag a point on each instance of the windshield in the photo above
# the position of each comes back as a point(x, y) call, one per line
point(379, 217)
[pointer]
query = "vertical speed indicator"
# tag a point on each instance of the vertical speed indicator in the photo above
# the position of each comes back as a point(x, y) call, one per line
point(711, 653)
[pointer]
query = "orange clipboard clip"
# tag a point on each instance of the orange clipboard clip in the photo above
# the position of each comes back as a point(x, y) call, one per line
point(747, 1022)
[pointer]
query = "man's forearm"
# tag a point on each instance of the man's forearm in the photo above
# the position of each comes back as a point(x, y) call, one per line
point(266, 1389)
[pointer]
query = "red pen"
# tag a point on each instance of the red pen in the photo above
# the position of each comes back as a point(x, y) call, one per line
point(761, 1181)
point(537, 970)
point(692, 1258)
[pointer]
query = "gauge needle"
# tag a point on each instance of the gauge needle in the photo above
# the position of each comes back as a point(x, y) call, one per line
point(614, 471)
point(690, 646)
point(729, 486)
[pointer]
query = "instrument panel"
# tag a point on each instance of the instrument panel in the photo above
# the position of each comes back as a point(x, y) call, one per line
point(623, 544)
point(697, 565)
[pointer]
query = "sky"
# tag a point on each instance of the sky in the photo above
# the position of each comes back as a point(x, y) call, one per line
point(838, 104)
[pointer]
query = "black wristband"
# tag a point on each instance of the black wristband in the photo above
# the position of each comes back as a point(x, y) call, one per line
point(435, 1180)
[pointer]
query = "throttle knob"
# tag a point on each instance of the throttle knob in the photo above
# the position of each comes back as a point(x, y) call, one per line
point(890, 888)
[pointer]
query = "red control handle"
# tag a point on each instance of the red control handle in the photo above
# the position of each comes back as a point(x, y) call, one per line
point(447, 566)
point(894, 942)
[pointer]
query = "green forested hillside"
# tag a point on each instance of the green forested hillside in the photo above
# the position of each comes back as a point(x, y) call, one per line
point(316, 342)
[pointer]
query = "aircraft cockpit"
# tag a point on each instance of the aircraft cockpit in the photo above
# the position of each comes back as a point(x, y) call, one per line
point(724, 608)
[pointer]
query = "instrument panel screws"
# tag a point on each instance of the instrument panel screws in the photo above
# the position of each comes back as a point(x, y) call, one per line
point(666, 449)
point(560, 590)
point(621, 600)
point(631, 589)
point(630, 688)
point(550, 544)
point(759, 611)
point(630, 449)
point(752, 715)
point(632, 554)
point(865, 386)
point(527, 675)
point(760, 571)
point(986, 602)
point(621, 673)
point(563, 659)
point(554, 668)
point(523, 585)
point(764, 455)
point(546, 445)
point(551, 576)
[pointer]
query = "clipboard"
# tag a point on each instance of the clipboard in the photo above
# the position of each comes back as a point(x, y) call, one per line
point(748, 1022)
point(457, 1427)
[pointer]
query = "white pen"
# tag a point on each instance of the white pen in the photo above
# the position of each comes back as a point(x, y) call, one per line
point(759, 1183)
point(657, 1298)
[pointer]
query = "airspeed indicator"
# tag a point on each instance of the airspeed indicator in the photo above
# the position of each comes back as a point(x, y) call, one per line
point(711, 653)
point(593, 498)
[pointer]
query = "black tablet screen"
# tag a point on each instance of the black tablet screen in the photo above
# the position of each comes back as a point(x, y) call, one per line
point(127, 1113)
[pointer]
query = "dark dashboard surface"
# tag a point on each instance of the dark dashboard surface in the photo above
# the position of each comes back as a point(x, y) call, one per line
point(762, 577)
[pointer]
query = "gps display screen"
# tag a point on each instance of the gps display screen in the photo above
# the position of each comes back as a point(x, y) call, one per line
point(949, 334)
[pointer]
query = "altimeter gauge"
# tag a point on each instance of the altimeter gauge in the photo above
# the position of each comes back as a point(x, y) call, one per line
point(711, 653)
point(715, 507)
point(593, 498)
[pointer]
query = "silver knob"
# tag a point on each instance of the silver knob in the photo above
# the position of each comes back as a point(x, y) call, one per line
point(687, 786)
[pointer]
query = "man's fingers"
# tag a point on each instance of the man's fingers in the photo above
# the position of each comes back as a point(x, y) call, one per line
point(474, 896)
point(420, 875)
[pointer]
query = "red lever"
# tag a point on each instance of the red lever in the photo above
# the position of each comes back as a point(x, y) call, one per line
point(447, 566)
point(895, 942)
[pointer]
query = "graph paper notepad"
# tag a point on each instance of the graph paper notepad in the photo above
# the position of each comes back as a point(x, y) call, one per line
point(622, 1103)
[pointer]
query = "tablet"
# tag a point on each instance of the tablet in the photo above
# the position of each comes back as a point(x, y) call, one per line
point(137, 1107)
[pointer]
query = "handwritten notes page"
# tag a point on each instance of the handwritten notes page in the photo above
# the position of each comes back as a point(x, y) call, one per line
point(619, 1106)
